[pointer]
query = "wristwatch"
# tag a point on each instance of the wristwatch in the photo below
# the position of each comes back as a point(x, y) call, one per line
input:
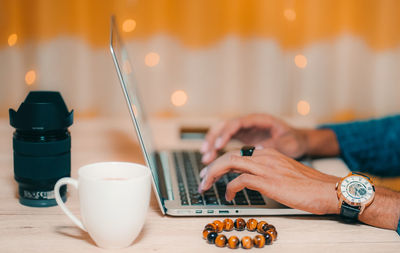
point(355, 192)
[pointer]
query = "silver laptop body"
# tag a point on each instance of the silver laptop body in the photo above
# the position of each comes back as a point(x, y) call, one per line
point(171, 169)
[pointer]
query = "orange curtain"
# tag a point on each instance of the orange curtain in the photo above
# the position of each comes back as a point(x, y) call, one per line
point(200, 23)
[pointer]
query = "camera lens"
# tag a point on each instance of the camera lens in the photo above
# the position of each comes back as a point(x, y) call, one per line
point(42, 145)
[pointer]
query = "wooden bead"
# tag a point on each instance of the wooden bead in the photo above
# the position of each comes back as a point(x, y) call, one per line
point(251, 224)
point(211, 226)
point(260, 227)
point(233, 242)
point(221, 240)
point(268, 238)
point(239, 224)
point(219, 225)
point(270, 227)
point(211, 237)
point(259, 241)
point(273, 234)
point(206, 232)
point(247, 243)
point(228, 225)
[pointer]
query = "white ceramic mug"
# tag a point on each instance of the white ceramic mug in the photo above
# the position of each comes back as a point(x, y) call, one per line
point(114, 198)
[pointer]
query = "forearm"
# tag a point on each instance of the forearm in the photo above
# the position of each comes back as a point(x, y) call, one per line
point(321, 142)
point(371, 146)
point(384, 211)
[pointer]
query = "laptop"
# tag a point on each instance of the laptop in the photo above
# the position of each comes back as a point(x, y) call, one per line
point(175, 173)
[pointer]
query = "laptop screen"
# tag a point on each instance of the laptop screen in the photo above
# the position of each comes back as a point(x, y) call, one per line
point(128, 83)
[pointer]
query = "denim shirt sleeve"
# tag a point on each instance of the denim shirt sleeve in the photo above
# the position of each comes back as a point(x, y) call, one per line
point(371, 146)
point(398, 228)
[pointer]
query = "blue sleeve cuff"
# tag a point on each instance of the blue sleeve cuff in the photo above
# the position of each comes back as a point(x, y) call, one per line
point(398, 228)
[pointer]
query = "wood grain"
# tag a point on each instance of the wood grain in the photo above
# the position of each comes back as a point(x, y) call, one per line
point(26, 229)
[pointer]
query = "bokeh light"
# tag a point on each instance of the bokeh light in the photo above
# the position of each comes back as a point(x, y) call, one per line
point(128, 25)
point(30, 77)
point(179, 98)
point(12, 39)
point(300, 61)
point(152, 59)
point(289, 14)
point(303, 107)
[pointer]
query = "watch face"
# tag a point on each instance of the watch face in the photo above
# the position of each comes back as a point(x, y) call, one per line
point(357, 189)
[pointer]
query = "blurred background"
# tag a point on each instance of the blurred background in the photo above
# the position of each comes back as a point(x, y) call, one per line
point(326, 60)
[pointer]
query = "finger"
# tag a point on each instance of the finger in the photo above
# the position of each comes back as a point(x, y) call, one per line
point(265, 153)
point(259, 147)
point(203, 172)
point(226, 163)
point(207, 149)
point(204, 147)
point(259, 120)
point(209, 157)
point(270, 143)
point(211, 135)
point(249, 181)
point(291, 145)
point(226, 133)
point(233, 128)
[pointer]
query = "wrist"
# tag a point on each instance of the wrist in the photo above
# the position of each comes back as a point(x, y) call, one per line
point(328, 201)
point(333, 207)
point(384, 212)
point(304, 136)
point(320, 142)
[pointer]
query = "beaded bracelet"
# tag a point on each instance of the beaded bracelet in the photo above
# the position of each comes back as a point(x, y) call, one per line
point(268, 233)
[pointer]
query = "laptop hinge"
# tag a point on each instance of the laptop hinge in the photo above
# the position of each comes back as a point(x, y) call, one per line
point(167, 176)
point(161, 175)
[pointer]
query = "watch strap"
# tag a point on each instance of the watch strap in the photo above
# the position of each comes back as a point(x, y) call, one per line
point(349, 212)
point(360, 174)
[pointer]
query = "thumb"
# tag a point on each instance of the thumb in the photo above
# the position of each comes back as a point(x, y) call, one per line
point(290, 146)
point(270, 143)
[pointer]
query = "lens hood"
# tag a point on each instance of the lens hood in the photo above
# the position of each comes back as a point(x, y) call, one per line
point(41, 111)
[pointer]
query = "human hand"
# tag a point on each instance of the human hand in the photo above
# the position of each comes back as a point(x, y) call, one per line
point(276, 176)
point(260, 130)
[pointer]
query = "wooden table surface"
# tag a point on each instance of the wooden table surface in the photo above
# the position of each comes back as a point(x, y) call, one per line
point(27, 229)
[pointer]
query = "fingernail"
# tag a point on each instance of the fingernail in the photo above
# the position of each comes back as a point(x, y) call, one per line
point(259, 147)
point(226, 198)
point(206, 157)
point(203, 172)
point(218, 143)
point(201, 186)
point(204, 147)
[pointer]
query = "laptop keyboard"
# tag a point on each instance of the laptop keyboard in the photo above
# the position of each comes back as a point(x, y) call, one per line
point(188, 165)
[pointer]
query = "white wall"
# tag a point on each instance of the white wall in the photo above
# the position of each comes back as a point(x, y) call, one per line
point(234, 76)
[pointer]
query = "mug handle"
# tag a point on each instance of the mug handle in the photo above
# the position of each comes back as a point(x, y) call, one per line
point(61, 182)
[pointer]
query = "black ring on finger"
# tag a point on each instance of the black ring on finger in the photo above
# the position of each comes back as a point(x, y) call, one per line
point(247, 150)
